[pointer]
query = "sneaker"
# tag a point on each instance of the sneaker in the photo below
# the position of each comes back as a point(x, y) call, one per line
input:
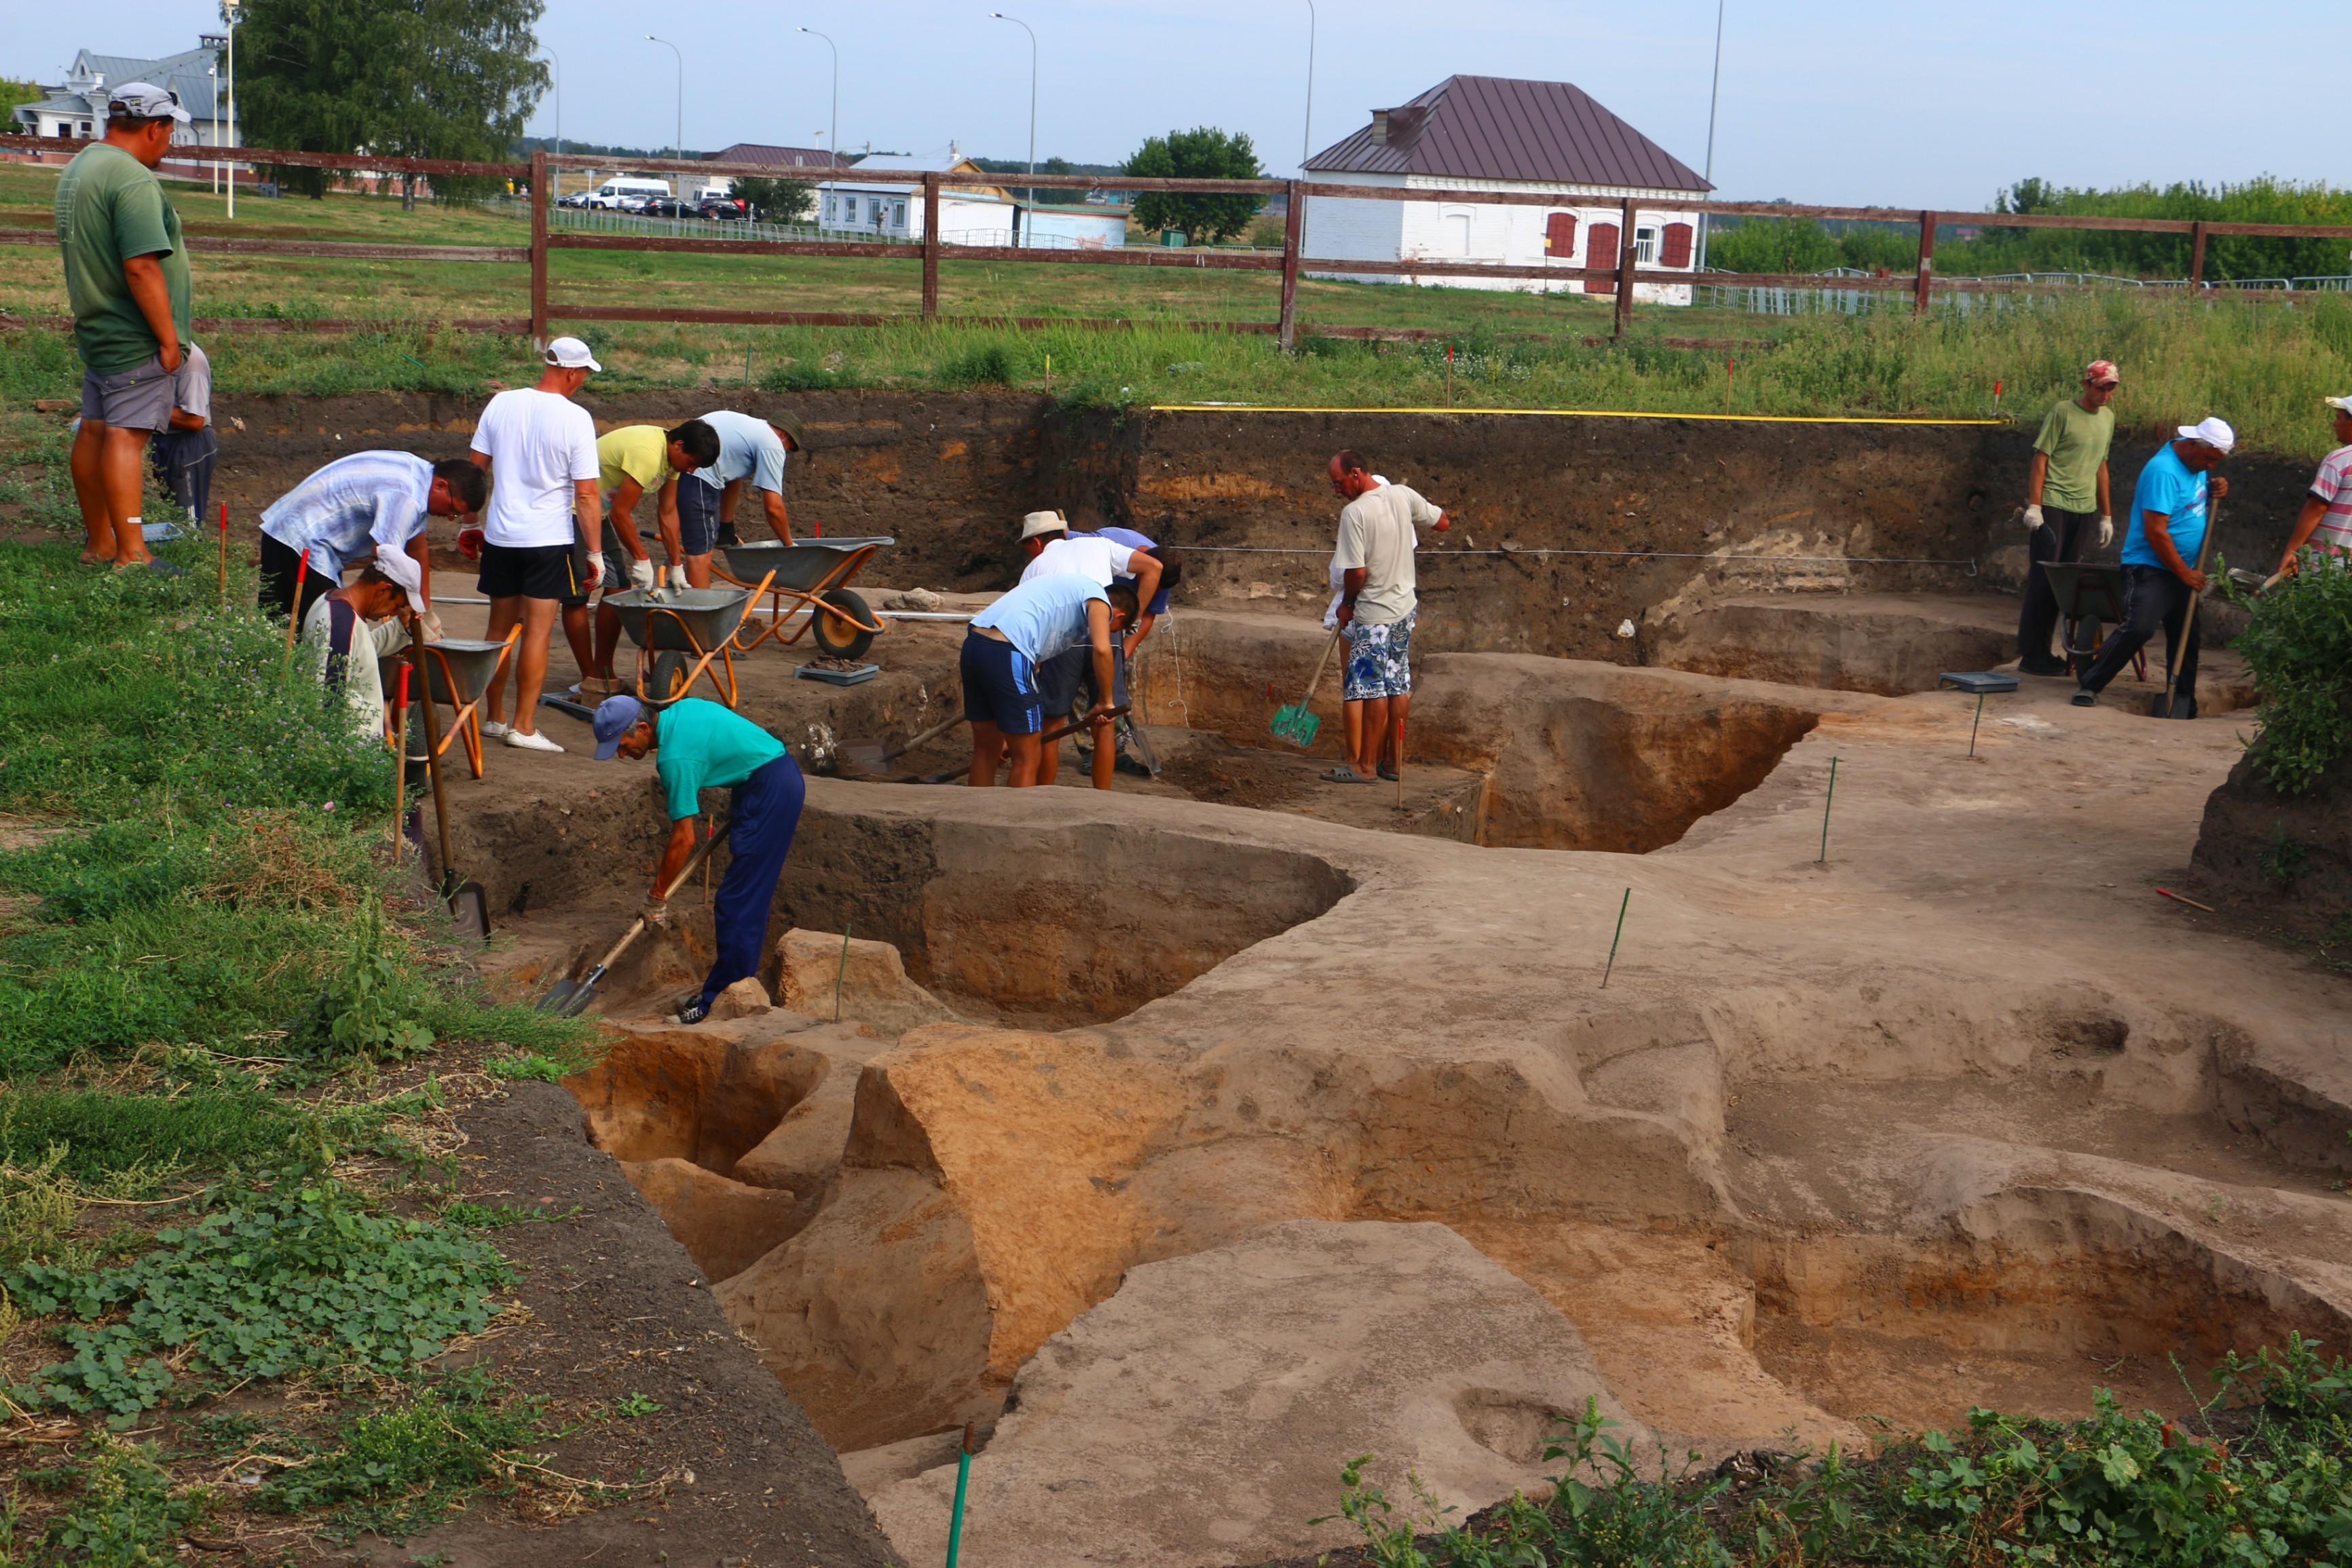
point(692, 1010)
point(2086, 699)
point(492, 730)
point(531, 741)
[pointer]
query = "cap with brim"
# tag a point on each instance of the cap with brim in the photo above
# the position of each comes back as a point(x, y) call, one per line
point(1042, 522)
point(570, 354)
point(2341, 405)
point(402, 568)
point(2101, 373)
point(790, 426)
point(145, 100)
point(615, 717)
point(2215, 433)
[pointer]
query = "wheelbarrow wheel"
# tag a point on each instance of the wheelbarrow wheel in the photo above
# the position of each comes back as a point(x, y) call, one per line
point(835, 640)
point(671, 673)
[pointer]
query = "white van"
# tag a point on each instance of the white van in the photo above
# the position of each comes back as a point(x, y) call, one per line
point(628, 191)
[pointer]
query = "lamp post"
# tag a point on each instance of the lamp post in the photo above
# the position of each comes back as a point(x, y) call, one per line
point(1026, 27)
point(214, 74)
point(677, 148)
point(1306, 137)
point(832, 137)
point(1714, 91)
point(554, 176)
point(228, 14)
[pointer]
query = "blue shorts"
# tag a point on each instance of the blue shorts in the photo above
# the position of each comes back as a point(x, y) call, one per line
point(1058, 677)
point(999, 686)
point(1380, 660)
point(698, 516)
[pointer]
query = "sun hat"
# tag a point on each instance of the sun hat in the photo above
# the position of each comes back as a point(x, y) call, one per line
point(2341, 405)
point(145, 100)
point(570, 354)
point(2101, 373)
point(2215, 433)
point(615, 717)
point(401, 567)
point(1042, 522)
point(790, 426)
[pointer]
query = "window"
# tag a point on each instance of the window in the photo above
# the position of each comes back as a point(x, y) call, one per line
point(897, 215)
point(1453, 234)
point(1678, 245)
point(1602, 252)
point(1559, 237)
point(1645, 248)
point(874, 211)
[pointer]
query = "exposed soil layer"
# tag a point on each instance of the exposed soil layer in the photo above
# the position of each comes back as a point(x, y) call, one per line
point(2284, 858)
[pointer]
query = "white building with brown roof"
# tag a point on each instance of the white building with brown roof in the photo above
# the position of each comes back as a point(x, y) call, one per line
point(1499, 133)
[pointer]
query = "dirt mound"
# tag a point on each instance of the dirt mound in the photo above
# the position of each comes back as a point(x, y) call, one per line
point(2288, 855)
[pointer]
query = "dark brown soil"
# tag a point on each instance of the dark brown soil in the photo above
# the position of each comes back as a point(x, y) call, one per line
point(617, 1308)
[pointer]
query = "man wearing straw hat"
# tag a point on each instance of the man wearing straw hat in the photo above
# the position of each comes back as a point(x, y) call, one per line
point(2161, 580)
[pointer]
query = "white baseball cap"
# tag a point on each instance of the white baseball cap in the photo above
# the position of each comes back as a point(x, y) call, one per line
point(572, 354)
point(2214, 433)
point(401, 567)
point(2342, 404)
point(145, 100)
point(1038, 523)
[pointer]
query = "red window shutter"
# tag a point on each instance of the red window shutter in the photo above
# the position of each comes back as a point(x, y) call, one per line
point(1601, 249)
point(1676, 251)
point(1559, 237)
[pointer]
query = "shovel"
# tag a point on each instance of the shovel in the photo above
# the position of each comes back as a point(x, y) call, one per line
point(1296, 722)
point(469, 906)
point(873, 756)
point(2166, 705)
point(570, 998)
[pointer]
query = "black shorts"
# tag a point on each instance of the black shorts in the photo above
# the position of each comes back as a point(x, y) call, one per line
point(558, 571)
point(698, 515)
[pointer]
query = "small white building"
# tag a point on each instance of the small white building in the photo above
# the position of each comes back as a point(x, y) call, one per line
point(972, 211)
point(77, 106)
point(1503, 134)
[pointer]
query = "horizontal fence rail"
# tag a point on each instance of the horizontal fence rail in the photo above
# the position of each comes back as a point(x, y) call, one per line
point(1619, 277)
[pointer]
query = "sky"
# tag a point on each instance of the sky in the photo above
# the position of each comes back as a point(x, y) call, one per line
point(1828, 102)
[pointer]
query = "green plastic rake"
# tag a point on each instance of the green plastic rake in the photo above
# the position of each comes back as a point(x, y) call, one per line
point(1296, 722)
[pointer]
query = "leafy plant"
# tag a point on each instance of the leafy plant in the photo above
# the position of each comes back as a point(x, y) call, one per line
point(300, 1277)
point(127, 1514)
point(2299, 646)
point(401, 1470)
point(373, 1006)
point(2284, 860)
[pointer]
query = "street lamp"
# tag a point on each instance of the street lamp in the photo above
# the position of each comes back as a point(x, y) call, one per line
point(1026, 27)
point(1306, 138)
point(214, 73)
point(1714, 91)
point(677, 148)
point(833, 143)
point(228, 14)
point(554, 176)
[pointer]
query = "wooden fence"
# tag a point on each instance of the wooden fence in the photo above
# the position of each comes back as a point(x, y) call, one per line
point(1618, 279)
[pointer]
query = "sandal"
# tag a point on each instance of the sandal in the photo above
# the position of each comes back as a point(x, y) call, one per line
point(1344, 774)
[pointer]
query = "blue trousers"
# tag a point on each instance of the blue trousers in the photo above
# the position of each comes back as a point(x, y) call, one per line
point(767, 810)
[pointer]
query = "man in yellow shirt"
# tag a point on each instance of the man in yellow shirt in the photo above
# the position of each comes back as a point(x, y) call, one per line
point(632, 460)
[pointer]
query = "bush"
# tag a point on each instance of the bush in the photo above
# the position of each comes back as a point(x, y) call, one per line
point(2299, 646)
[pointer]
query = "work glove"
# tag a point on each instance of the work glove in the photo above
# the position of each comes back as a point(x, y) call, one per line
point(2033, 517)
point(641, 572)
point(595, 572)
point(656, 912)
point(2106, 531)
point(428, 627)
point(678, 576)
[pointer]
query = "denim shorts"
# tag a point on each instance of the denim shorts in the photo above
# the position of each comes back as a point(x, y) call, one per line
point(1380, 660)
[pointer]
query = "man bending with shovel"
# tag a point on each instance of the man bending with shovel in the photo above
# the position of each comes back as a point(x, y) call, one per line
point(2160, 585)
point(701, 745)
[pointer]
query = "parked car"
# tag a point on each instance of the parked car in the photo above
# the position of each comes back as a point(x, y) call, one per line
point(721, 209)
point(577, 199)
point(627, 194)
point(666, 206)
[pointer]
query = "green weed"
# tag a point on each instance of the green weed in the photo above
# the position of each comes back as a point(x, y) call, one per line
point(2299, 646)
point(401, 1469)
point(125, 1511)
point(104, 1134)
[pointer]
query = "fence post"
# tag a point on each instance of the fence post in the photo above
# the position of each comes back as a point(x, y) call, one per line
point(2196, 254)
point(1625, 254)
point(930, 247)
point(1926, 264)
point(540, 196)
point(1294, 225)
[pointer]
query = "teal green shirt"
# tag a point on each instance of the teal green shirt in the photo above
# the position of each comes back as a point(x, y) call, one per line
point(111, 208)
point(699, 745)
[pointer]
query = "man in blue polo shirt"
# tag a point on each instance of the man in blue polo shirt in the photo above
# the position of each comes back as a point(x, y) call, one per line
point(700, 745)
point(1008, 643)
point(2160, 550)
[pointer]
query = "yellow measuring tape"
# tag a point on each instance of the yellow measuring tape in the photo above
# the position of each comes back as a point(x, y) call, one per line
point(1573, 414)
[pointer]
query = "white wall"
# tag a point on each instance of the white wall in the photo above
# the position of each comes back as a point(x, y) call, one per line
point(1354, 231)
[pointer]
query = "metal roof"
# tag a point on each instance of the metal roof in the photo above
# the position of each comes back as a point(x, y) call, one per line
point(782, 157)
point(1500, 128)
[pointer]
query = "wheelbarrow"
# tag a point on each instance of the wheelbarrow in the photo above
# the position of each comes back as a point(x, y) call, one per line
point(2088, 593)
point(679, 631)
point(812, 575)
point(460, 671)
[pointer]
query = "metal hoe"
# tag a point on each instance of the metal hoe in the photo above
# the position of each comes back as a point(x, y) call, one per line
point(570, 998)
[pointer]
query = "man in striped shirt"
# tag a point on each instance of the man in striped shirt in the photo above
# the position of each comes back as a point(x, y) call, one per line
point(2326, 521)
point(354, 508)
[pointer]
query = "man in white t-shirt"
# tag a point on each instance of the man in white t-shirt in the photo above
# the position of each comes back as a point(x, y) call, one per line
point(539, 447)
point(1377, 606)
point(1054, 551)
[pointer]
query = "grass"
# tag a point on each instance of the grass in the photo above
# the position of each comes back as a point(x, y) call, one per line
point(2263, 366)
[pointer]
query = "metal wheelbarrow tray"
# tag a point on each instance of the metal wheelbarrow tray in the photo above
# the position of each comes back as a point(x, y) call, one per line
point(813, 574)
point(457, 671)
point(682, 629)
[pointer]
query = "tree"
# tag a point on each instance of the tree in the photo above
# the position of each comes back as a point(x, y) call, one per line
point(1772, 245)
point(778, 201)
point(1204, 153)
point(406, 78)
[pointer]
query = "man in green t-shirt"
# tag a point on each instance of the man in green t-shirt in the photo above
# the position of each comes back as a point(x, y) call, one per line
point(2065, 493)
point(127, 278)
point(699, 745)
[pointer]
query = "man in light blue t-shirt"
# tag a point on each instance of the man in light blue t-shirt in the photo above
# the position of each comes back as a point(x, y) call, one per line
point(748, 448)
point(2161, 548)
point(1001, 653)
